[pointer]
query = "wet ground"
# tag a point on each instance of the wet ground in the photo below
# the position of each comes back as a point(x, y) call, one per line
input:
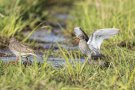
point(47, 39)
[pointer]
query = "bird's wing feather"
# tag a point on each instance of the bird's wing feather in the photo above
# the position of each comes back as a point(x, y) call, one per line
point(26, 49)
point(98, 36)
point(21, 48)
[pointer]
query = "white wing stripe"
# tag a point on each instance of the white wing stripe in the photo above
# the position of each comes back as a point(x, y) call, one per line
point(98, 36)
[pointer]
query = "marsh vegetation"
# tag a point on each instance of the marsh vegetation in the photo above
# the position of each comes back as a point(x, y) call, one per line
point(47, 27)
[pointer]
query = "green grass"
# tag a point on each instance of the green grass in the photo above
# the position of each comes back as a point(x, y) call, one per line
point(16, 15)
point(90, 15)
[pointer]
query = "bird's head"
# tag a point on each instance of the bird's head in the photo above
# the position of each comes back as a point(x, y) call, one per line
point(80, 34)
point(78, 31)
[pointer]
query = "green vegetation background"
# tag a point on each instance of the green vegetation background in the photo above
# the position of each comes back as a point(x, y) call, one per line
point(17, 15)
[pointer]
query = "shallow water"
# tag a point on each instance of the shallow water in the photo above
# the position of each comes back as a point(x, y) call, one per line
point(46, 39)
point(55, 46)
point(56, 62)
point(43, 35)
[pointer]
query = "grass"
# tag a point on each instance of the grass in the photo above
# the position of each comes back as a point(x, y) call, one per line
point(90, 15)
point(16, 16)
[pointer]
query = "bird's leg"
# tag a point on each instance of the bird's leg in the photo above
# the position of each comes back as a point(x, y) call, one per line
point(27, 61)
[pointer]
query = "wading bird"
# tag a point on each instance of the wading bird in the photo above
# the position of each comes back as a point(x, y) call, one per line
point(20, 50)
point(91, 45)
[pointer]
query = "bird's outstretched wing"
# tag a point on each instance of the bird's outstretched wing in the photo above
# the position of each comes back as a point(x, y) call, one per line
point(79, 32)
point(98, 36)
